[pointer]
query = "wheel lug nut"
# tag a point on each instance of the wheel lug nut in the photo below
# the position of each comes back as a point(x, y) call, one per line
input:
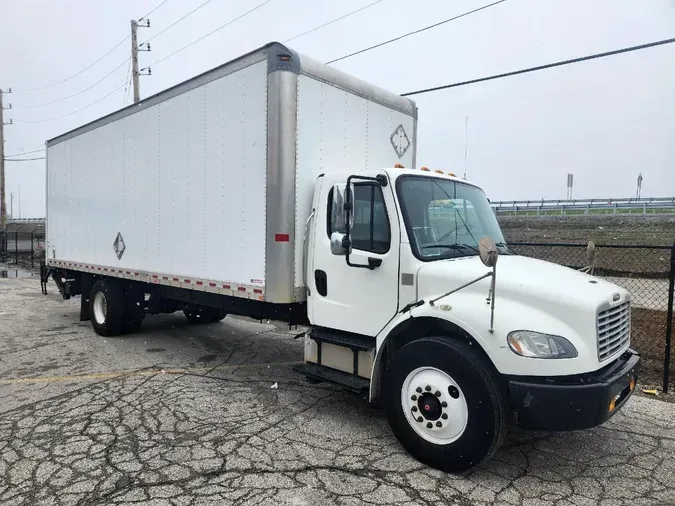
point(414, 408)
point(444, 416)
point(418, 390)
point(437, 393)
point(420, 419)
point(427, 388)
point(429, 425)
point(439, 424)
point(414, 398)
point(444, 404)
point(454, 393)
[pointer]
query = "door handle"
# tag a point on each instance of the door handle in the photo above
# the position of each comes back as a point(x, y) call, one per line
point(374, 262)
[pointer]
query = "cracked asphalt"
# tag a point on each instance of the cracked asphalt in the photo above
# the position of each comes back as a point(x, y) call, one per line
point(186, 415)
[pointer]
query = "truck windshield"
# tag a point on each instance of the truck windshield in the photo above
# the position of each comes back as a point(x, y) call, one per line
point(445, 218)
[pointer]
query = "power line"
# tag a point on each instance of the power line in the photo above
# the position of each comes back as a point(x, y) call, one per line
point(152, 10)
point(26, 153)
point(79, 92)
point(177, 21)
point(127, 82)
point(333, 21)
point(71, 112)
point(92, 64)
point(79, 73)
point(415, 32)
point(543, 67)
point(24, 159)
point(211, 33)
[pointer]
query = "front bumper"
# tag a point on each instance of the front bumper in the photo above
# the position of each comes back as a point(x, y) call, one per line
point(573, 402)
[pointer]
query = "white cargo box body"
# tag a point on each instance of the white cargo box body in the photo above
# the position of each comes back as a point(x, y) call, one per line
point(208, 184)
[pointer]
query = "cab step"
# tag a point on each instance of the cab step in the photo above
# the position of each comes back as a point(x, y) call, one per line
point(323, 373)
point(355, 342)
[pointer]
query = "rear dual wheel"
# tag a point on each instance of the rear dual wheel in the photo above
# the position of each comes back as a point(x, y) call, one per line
point(115, 309)
point(444, 403)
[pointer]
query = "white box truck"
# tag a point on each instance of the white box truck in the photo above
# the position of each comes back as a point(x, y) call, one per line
point(280, 188)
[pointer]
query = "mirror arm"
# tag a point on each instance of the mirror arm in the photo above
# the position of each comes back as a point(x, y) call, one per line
point(486, 275)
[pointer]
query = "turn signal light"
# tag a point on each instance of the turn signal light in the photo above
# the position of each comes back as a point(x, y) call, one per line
point(612, 404)
point(632, 384)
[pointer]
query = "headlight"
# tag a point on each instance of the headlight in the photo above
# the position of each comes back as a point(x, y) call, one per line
point(537, 345)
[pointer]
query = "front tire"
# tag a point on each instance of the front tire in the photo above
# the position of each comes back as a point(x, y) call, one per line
point(107, 307)
point(444, 404)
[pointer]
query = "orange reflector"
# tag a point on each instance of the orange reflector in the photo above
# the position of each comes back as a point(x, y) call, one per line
point(451, 174)
point(612, 404)
point(399, 166)
point(438, 171)
point(425, 169)
point(632, 384)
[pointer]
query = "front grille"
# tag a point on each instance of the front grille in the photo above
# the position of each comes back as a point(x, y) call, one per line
point(613, 330)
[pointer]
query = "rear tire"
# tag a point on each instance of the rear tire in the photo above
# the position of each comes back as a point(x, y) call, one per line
point(107, 307)
point(457, 397)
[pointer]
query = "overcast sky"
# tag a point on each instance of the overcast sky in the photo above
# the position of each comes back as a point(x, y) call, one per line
point(604, 121)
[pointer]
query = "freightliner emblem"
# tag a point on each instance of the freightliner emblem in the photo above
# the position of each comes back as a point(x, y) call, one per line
point(399, 139)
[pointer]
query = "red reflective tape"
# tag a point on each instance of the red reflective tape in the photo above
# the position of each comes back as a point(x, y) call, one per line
point(136, 274)
point(212, 284)
point(129, 273)
point(257, 290)
point(175, 279)
point(165, 277)
point(186, 281)
point(99, 268)
point(282, 237)
point(200, 283)
point(241, 288)
point(227, 287)
point(155, 276)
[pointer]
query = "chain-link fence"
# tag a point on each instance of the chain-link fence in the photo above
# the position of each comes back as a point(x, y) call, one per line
point(647, 272)
point(22, 248)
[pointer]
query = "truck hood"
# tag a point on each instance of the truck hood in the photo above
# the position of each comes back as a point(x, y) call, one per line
point(527, 280)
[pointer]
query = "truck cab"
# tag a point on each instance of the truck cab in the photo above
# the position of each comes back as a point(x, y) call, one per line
point(402, 301)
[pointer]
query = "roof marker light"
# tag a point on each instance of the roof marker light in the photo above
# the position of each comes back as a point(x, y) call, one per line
point(425, 169)
point(399, 166)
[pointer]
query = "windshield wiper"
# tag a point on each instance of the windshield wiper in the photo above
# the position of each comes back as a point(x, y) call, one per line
point(451, 246)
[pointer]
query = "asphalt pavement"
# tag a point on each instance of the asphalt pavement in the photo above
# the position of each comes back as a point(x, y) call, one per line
point(189, 415)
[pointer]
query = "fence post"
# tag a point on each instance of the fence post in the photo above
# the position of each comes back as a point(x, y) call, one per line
point(32, 252)
point(16, 247)
point(669, 323)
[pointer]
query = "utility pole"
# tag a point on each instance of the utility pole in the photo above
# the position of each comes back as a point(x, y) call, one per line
point(3, 203)
point(135, 48)
point(466, 142)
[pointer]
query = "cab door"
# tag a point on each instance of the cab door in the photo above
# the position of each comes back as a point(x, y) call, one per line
point(356, 292)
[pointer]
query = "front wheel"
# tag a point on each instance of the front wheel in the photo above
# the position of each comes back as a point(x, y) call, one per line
point(443, 403)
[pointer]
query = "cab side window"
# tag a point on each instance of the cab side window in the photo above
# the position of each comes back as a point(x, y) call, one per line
point(370, 231)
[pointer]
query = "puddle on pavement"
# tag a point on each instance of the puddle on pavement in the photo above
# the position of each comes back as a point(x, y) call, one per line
point(7, 271)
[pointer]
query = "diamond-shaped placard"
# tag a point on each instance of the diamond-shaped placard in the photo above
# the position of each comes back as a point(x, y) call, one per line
point(119, 246)
point(399, 139)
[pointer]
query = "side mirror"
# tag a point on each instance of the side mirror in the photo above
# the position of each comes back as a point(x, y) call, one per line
point(337, 244)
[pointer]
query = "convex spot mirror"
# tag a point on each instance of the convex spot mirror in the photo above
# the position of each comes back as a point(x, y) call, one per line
point(488, 252)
